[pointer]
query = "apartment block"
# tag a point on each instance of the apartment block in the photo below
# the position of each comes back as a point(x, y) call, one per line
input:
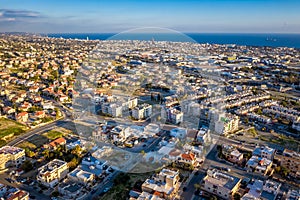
point(51, 173)
point(11, 157)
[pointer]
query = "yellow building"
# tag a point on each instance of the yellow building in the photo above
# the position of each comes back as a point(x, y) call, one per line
point(51, 173)
point(11, 157)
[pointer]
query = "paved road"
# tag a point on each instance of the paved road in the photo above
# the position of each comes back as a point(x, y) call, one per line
point(27, 188)
point(39, 130)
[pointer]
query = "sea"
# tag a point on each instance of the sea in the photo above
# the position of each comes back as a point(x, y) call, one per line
point(260, 40)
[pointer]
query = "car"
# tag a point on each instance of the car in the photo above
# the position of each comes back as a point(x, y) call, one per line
point(226, 169)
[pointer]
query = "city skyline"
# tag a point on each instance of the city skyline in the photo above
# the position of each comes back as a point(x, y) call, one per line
point(217, 16)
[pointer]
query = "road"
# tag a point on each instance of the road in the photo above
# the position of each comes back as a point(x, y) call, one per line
point(39, 130)
point(32, 191)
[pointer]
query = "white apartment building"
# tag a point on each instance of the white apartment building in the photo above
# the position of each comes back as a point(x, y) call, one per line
point(142, 111)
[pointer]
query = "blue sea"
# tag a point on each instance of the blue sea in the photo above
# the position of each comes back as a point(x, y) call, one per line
point(271, 40)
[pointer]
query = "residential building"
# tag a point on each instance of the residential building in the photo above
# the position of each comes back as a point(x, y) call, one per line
point(112, 109)
point(142, 111)
point(270, 190)
point(165, 184)
point(188, 158)
point(12, 193)
point(203, 136)
point(51, 173)
point(130, 103)
point(232, 154)
point(11, 157)
point(80, 176)
point(22, 117)
point(178, 132)
point(71, 190)
point(259, 165)
point(221, 184)
point(173, 115)
point(264, 152)
point(227, 124)
point(55, 143)
point(254, 190)
point(290, 160)
point(293, 195)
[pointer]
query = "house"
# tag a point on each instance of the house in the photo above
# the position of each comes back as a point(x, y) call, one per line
point(11, 157)
point(8, 110)
point(178, 132)
point(12, 193)
point(270, 190)
point(25, 106)
point(232, 154)
point(221, 184)
point(151, 130)
point(254, 190)
point(80, 176)
point(293, 195)
point(71, 190)
point(22, 117)
point(39, 114)
point(48, 105)
point(264, 152)
point(259, 165)
point(57, 142)
point(51, 173)
point(188, 158)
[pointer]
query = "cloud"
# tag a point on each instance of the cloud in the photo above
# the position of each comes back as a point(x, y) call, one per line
point(15, 15)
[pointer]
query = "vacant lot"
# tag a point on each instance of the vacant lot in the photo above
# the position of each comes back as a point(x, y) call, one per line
point(9, 129)
point(123, 184)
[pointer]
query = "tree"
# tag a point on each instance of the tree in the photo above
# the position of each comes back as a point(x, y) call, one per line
point(197, 186)
point(27, 166)
point(29, 153)
point(77, 150)
point(73, 163)
point(46, 153)
point(58, 113)
point(236, 196)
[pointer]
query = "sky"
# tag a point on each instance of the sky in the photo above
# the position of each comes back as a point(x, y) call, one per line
point(113, 16)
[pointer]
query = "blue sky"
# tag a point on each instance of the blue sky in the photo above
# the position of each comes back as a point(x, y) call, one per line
point(88, 16)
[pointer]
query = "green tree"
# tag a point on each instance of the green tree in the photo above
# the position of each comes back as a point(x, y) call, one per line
point(46, 154)
point(29, 153)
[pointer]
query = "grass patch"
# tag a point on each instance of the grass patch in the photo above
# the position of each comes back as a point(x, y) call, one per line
point(10, 128)
point(27, 144)
point(52, 135)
